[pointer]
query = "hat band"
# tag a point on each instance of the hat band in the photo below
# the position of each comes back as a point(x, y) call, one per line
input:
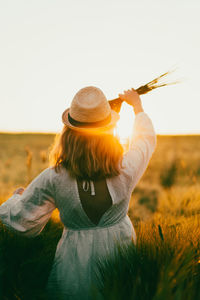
point(103, 122)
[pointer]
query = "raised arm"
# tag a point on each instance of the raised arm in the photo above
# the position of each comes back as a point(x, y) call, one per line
point(143, 140)
point(27, 213)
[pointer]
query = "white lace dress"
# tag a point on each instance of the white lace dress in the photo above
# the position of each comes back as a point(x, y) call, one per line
point(82, 241)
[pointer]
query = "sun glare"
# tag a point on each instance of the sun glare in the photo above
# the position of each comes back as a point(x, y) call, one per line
point(125, 124)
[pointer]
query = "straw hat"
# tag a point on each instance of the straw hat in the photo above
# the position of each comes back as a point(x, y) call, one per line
point(90, 111)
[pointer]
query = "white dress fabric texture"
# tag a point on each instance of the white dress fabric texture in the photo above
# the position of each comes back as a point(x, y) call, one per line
point(82, 241)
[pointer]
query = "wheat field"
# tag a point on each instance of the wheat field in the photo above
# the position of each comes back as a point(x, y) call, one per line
point(164, 210)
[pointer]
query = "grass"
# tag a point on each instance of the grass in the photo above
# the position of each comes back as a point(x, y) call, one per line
point(157, 268)
point(165, 264)
point(27, 262)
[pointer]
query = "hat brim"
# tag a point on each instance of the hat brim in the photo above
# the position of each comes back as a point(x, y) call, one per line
point(100, 129)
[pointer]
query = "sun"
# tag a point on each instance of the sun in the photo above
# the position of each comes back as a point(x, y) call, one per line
point(125, 124)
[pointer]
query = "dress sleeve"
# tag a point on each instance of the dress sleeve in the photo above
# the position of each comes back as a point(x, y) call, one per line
point(142, 146)
point(28, 213)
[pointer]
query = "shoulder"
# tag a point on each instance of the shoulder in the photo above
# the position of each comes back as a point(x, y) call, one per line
point(46, 174)
point(44, 178)
point(56, 177)
point(51, 172)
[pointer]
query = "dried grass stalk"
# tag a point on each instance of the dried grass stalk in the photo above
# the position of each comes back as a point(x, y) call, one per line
point(144, 89)
point(29, 156)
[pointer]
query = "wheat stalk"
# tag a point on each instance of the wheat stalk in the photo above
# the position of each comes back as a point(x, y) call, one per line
point(144, 89)
point(29, 156)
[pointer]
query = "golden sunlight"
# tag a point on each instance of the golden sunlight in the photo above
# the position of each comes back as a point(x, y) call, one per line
point(125, 124)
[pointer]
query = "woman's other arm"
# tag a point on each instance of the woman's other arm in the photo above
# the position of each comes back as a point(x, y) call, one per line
point(28, 211)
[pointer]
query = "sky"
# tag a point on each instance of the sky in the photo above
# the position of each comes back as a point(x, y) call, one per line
point(52, 48)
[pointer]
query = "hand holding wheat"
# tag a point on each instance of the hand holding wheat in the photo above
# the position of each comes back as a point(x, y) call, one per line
point(132, 98)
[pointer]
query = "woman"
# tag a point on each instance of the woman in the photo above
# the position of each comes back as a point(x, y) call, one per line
point(90, 182)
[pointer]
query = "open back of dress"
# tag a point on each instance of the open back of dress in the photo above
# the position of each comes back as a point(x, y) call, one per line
point(95, 198)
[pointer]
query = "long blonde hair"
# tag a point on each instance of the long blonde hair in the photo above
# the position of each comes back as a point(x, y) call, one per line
point(85, 155)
